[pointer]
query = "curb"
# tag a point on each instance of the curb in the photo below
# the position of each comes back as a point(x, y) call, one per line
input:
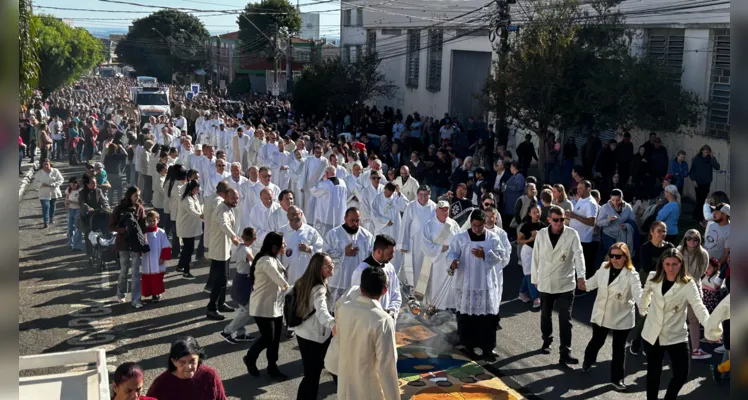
point(27, 177)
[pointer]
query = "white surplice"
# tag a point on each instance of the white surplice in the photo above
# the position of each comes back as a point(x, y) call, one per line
point(366, 199)
point(254, 193)
point(259, 218)
point(433, 270)
point(266, 155)
point(330, 208)
point(295, 169)
point(335, 242)
point(254, 149)
point(238, 151)
point(476, 286)
point(245, 201)
point(239, 211)
point(212, 179)
point(411, 231)
point(295, 260)
point(281, 177)
point(392, 300)
point(409, 188)
point(506, 248)
point(313, 168)
point(353, 184)
point(389, 209)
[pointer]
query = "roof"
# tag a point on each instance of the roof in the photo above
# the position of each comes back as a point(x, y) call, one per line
point(230, 36)
point(300, 40)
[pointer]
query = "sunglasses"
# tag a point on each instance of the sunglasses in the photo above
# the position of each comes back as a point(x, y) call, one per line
point(487, 204)
point(616, 256)
point(557, 219)
point(376, 179)
point(693, 239)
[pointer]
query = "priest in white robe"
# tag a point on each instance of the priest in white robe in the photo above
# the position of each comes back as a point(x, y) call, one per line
point(409, 241)
point(265, 182)
point(330, 194)
point(374, 165)
point(383, 253)
point(295, 170)
point(313, 169)
point(254, 146)
point(371, 189)
point(302, 241)
point(239, 145)
point(473, 256)
point(340, 171)
point(408, 185)
point(492, 216)
point(259, 217)
point(237, 181)
point(279, 217)
point(353, 184)
point(433, 281)
point(268, 150)
point(253, 174)
point(387, 210)
point(279, 166)
point(348, 245)
point(219, 173)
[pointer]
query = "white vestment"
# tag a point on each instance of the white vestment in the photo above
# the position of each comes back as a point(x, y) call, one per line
point(280, 176)
point(259, 218)
point(245, 201)
point(353, 184)
point(313, 168)
point(295, 169)
point(212, 179)
point(389, 209)
point(365, 199)
point(392, 300)
point(335, 242)
point(409, 238)
point(238, 211)
point(506, 247)
point(409, 188)
point(433, 280)
point(295, 260)
point(254, 193)
point(330, 208)
point(254, 149)
point(238, 151)
point(266, 154)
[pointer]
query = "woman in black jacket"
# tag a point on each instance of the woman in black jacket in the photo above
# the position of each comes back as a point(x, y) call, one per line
point(641, 175)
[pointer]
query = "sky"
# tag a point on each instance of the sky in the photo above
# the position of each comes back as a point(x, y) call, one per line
point(101, 22)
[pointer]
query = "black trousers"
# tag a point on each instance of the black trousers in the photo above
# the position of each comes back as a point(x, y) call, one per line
point(564, 301)
point(680, 360)
point(590, 257)
point(313, 360)
point(270, 337)
point(185, 256)
point(477, 331)
point(702, 192)
point(599, 334)
point(219, 273)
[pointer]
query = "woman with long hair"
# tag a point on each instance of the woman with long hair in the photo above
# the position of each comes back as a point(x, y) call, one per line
point(174, 193)
point(718, 197)
point(670, 213)
point(266, 304)
point(48, 181)
point(560, 198)
point(128, 259)
point(667, 293)
point(526, 240)
point(618, 289)
point(72, 194)
point(313, 305)
point(697, 259)
point(186, 376)
point(189, 225)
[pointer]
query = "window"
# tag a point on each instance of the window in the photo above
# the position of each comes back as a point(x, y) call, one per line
point(434, 72)
point(392, 32)
point(371, 41)
point(665, 47)
point(360, 16)
point(347, 17)
point(718, 119)
point(413, 57)
point(359, 51)
point(346, 56)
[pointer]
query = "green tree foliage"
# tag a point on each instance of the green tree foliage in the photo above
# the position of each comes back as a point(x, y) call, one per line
point(240, 86)
point(333, 86)
point(571, 69)
point(181, 49)
point(28, 57)
point(265, 24)
point(65, 53)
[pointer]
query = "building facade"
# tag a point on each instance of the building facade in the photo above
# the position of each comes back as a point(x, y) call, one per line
point(309, 26)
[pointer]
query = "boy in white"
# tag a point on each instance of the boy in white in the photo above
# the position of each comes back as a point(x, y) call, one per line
point(153, 263)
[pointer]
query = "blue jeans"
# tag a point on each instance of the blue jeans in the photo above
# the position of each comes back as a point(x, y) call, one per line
point(48, 210)
point(528, 287)
point(437, 191)
point(74, 234)
point(129, 260)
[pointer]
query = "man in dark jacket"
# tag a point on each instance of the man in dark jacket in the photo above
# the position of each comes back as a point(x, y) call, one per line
point(701, 175)
point(659, 160)
point(526, 153)
point(438, 176)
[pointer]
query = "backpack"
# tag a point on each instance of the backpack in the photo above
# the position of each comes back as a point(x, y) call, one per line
point(289, 310)
point(134, 237)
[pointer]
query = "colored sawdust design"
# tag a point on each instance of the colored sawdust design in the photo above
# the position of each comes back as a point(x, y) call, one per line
point(432, 374)
point(413, 334)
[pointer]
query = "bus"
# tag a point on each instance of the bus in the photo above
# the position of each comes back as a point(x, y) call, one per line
point(107, 72)
point(146, 81)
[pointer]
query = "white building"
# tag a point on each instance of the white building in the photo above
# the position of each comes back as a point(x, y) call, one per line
point(309, 26)
point(437, 52)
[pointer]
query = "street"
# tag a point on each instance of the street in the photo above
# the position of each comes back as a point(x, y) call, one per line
point(67, 305)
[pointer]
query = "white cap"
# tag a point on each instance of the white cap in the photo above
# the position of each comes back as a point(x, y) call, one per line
point(442, 204)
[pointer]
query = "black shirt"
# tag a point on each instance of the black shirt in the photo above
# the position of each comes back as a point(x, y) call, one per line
point(649, 255)
point(613, 274)
point(666, 285)
point(527, 229)
point(554, 237)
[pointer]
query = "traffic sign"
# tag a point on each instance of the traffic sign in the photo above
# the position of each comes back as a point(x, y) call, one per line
point(195, 88)
point(189, 95)
point(275, 89)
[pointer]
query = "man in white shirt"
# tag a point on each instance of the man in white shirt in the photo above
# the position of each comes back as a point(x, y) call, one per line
point(259, 217)
point(180, 122)
point(381, 255)
point(556, 256)
point(408, 185)
point(416, 214)
point(218, 174)
point(302, 241)
point(582, 219)
point(258, 139)
point(717, 233)
point(330, 194)
point(347, 245)
point(268, 150)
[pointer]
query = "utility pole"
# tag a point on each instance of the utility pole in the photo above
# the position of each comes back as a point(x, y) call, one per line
point(276, 50)
point(289, 60)
point(504, 20)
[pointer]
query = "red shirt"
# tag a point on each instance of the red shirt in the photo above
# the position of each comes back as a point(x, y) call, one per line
point(204, 385)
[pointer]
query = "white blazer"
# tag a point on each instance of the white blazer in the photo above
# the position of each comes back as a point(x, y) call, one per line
point(614, 304)
point(318, 327)
point(666, 315)
point(189, 224)
point(222, 228)
point(553, 267)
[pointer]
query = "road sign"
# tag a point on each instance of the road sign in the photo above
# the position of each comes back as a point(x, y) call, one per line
point(195, 88)
point(275, 88)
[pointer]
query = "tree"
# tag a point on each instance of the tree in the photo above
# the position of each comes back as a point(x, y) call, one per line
point(163, 43)
point(333, 86)
point(571, 69)
point(65, 53)
point(28, 52)
point(269, 18)
point(240, 86)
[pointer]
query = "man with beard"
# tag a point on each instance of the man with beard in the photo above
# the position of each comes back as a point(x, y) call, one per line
point(432, 280)
point(330, 194)
point(347, 245)
point(416, 214)
point(259, 217)
point(460, 207)
point(408, 185)
point(381, 255)
point(222, 237)
point(472, 256)
point(302, 241)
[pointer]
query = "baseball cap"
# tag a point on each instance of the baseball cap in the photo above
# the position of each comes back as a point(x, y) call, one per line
point(669, 177)
point(723, 208)
point(442, 204)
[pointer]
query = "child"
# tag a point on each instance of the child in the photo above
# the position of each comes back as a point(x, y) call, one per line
point(158, 192)
point(241, 289)
point(153, 265)
point(710, 287)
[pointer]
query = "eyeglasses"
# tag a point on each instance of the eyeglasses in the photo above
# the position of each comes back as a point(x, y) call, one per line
point(616, 256)
point(375, 179)
point(557, 219)
point(487, 204)
point(693, 239)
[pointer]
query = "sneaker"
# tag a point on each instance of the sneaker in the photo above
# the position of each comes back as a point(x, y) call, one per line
point(120, 300)
point(720, 349)
point(180, 269)
point(228, 337)
point(156, 298)
point(536, 303)
point(137, 304)
point(245, 337)
point(699, 354)
point(188, 275)
point(524, 297)
point(620, 385)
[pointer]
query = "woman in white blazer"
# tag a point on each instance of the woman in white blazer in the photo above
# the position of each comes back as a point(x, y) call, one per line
point(667, 293)
point(618, 289)
point(48, 181)
point(189, 225)
point(174, 187)
point(266, 304)
point(313, 305)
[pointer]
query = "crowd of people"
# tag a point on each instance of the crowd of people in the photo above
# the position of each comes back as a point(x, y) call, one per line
point(337, 223)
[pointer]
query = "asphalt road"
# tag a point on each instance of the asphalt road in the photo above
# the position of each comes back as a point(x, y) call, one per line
point(66, 305)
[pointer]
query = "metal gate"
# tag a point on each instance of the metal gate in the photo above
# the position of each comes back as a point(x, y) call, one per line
point(470, 70)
